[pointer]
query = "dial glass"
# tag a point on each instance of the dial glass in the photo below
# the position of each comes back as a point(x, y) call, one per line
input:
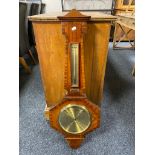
point(74, 49)
point(74, 118)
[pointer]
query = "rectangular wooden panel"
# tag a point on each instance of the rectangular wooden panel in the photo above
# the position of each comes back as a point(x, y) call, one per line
point(96, 49)
point(51, 47)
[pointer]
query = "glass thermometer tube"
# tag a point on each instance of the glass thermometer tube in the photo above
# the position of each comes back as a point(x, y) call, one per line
point(74, 65)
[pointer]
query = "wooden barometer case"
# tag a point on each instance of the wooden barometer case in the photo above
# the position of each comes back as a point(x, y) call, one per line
point(72, 49)
point(75, 115)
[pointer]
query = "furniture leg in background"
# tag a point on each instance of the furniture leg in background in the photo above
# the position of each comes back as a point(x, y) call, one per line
point(24, 64)
point(133, 71)
point(118, 38)
point(33, 58)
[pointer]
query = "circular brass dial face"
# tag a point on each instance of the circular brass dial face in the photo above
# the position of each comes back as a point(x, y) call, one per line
point(74, 118)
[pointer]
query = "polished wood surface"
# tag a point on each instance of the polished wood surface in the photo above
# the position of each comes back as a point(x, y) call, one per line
point(76, 20)
point(53, 37)
point(50, 46)
point(74, 27)
point(52, 16)
point(96, 50)
point(74, 140)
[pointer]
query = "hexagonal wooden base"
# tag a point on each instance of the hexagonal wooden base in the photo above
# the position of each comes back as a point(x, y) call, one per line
point(74, 140)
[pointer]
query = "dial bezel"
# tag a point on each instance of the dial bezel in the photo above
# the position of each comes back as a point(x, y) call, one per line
point(77, 106)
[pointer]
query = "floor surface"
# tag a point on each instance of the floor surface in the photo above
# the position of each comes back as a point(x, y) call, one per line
point(116, 135)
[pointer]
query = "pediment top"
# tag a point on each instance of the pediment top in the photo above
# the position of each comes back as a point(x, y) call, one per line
point(74, 15)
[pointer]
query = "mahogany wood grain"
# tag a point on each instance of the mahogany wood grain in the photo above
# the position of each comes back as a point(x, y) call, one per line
point(74, 140)
point(50, 46)
point(52, 41)
point(96, 50)
point(76, 95)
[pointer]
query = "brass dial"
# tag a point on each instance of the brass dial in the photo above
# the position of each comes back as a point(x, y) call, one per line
point(74, 118)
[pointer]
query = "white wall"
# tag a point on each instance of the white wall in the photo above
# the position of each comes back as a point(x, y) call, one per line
point(55, 5)
point(52, 5)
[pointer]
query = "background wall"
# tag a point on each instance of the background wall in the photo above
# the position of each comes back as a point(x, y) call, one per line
point(52, 5)
point(55, 5)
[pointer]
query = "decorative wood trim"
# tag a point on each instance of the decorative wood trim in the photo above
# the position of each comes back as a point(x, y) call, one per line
point(74, 140)
point(74, 15)
point(76, 19)
point(77, 95)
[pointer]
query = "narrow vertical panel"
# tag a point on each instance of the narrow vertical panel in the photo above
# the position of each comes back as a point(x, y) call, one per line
point(95, 59)
point(88, 56)
point(51, 51)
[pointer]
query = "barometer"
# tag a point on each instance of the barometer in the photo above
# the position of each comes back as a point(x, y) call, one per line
point(74, 118)
point(72, 49)
point(75, 115)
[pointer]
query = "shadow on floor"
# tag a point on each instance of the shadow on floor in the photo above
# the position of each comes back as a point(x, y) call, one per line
point(118, 78)
point(23, 78)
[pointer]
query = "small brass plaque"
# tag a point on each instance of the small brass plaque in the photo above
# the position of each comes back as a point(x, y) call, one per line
point(74, 118)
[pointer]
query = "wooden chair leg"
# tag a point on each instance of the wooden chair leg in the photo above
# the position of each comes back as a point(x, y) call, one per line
point(25, 65)
point(46, 113)
point(114, 37)
point(35, 62)
point(125, 34)
point(133, 71)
